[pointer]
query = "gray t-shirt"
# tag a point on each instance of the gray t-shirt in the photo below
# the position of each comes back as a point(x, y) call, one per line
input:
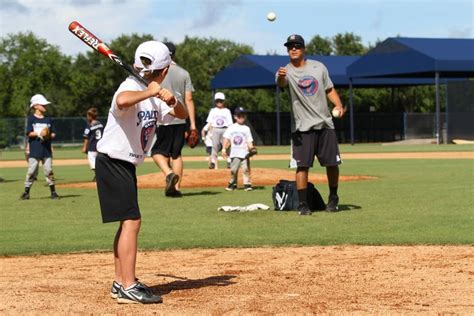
point(309, 105)
point(178, 82)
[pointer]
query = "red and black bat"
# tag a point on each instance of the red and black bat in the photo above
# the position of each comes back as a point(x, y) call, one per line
point(93, 41)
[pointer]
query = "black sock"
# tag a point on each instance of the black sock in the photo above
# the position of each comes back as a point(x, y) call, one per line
point(333, 191)
point(52, 188)
point(303, 195)
point(27, 189)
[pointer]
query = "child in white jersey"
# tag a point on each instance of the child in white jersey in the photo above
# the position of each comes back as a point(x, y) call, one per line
point(128, 135)
point(239, 138)
point(220, 118)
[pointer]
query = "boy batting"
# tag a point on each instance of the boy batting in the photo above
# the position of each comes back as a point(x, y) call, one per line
point(128, 135)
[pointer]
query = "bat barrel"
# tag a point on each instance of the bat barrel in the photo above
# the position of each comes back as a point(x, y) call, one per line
point(84, 35)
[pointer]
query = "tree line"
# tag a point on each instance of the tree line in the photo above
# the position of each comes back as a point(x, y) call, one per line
point(30, 65)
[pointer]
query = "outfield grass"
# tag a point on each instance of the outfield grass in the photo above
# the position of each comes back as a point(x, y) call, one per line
point(412, 202)
point(75, 152)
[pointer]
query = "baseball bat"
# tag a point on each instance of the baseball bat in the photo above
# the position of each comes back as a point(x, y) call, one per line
point(93, 41)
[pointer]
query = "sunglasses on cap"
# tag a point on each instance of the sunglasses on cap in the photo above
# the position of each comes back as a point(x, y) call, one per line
point(295, 45)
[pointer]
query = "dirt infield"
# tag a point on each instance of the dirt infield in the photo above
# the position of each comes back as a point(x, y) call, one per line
point(338, 279)
point(401, 155)
point(198, 178)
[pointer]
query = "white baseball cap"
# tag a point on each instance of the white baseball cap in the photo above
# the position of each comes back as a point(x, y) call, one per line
point(38, 99)
point(219, 96)
point(155, 51)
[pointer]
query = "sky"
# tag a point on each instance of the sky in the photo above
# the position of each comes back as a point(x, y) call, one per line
point(241, 21)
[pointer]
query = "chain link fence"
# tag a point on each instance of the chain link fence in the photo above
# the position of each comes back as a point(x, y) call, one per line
point(69, 131)
point(368, 127)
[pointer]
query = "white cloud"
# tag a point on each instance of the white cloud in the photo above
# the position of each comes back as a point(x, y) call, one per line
point(107, 19)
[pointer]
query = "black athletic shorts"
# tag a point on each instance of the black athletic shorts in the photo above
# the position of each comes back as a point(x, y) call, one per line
point(320, 143)
point(117, 187)
point(169, 140)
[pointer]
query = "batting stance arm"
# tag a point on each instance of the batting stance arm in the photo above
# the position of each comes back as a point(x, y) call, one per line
point(127, 99)
point(179, 111)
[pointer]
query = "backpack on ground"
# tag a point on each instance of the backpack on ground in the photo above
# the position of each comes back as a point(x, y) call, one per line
point(285, 197)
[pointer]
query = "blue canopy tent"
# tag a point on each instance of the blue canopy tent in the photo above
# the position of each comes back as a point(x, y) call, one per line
point(417, 57)
point(258, 71)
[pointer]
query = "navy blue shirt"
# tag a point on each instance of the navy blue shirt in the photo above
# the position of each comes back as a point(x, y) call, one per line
point(38, 148)
point(93, 133)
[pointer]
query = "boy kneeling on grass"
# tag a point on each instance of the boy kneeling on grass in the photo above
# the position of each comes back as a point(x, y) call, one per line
point(128, 135)
point(239, 138)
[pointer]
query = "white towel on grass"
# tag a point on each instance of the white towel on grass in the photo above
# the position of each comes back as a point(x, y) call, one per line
point(248, 208)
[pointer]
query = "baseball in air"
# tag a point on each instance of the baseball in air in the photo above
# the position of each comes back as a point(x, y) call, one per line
point(336, 113)
point(271, 16)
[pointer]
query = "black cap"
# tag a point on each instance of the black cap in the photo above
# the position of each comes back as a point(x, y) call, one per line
point(294, 39)
point(171, 48)
point(239, 110)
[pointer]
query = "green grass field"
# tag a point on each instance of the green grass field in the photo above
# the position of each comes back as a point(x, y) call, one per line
point(411, 202)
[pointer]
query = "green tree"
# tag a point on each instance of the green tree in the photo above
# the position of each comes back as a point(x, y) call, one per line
point(203, 58)
point(319, 46)
point(94, 78)
point(348, 44)
point(29, 65)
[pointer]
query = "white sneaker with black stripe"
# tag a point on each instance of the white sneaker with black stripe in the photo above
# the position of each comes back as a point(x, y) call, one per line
point(116, 287)
point(114, 290)
point(137, 294)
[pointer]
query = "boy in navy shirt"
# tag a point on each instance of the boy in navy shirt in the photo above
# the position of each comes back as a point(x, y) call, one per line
point(40, 132)
point(92, 134)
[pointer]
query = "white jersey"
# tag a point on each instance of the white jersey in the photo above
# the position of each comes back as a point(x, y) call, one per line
point(219, 118)
point(129, 132)
point(240, 137)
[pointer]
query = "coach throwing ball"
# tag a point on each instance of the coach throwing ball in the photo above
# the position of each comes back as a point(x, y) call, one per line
point(311, 125)
point(128, 135)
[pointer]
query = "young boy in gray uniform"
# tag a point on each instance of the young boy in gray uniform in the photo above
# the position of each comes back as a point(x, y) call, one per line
point(239, 139)
point(40, 132)
point(312, 126)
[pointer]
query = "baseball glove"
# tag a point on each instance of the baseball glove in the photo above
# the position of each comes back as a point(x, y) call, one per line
point(45, 134)
point(193, 138)
point(252, 152)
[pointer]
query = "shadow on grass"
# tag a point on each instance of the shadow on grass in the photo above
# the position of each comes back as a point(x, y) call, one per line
point(8, 181)
point(186, 194)
point(349, 207)
point(343, 208)
point(188, 284)
point(60, 196)
point(259, 187)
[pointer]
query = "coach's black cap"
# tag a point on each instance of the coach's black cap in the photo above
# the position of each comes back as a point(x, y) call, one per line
point(240, 110)
point(171, 48)
point(294, 39)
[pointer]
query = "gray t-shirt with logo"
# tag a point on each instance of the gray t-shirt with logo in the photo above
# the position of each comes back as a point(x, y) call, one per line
point(309, 105)
point(178, 82)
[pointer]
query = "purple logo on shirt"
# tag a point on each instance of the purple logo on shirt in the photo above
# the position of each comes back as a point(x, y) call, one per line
point(220, 122)
point(147, 133)
point(238, 140)
point(308, 85)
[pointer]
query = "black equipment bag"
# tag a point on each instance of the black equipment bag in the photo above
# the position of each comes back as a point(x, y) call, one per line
point(285, 197)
